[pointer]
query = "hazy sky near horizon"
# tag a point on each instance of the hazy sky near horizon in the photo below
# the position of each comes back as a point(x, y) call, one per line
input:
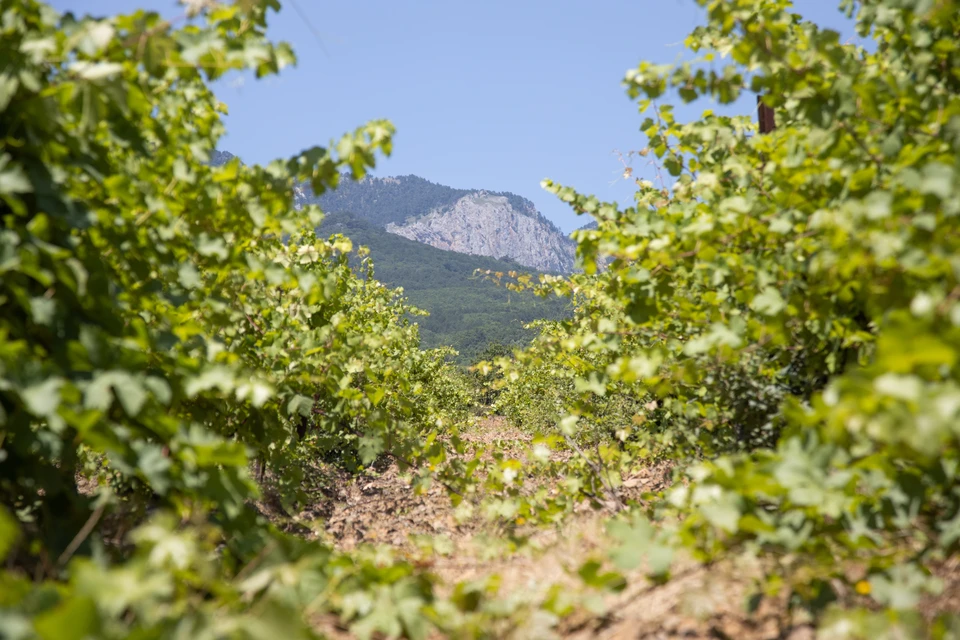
point(494, 94)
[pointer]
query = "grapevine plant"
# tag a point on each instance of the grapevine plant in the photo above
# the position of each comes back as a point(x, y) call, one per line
point(168, 328)
point(779, 314)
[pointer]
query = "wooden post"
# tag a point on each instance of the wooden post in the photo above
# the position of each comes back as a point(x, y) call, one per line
point(765, 116)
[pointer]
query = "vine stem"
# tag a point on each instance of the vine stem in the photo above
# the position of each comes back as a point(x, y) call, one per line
point(82, 534)
point(597, 470)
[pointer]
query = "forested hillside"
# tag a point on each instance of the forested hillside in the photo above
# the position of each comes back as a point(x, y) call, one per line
point(467, 311)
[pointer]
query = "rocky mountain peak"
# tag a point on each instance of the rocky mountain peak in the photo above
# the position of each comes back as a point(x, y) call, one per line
point(218, 158)
point(473, 221)
point(488, 224)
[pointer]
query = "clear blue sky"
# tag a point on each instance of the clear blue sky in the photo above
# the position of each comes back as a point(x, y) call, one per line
point(488, 94)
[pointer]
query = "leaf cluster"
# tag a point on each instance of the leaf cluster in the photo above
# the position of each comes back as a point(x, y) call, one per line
point(167, 324)
point(780, 314)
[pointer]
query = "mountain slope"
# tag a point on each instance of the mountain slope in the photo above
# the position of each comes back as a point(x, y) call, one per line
point(499, 225)
point(482, 223)
point(466, 312)
point(384, 201)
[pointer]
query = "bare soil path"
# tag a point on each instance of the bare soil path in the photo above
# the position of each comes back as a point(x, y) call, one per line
point(698, 602)
point(382, 509)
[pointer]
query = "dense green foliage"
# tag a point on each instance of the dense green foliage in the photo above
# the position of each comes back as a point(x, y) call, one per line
point(783, 317)
point(467, 312)
point(155, 334)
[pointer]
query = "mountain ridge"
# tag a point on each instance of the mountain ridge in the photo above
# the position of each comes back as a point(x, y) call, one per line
point(481, 222)
point(472, 221)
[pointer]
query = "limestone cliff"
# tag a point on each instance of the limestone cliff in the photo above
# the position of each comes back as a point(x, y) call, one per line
point(486, 224)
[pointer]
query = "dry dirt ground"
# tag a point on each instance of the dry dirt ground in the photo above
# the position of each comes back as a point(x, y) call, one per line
point(697, 602)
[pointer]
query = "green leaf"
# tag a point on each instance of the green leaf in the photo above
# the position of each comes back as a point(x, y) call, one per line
point(901, 587)
point(97, 36)
point(568, 425)
point(878, 204)
point(768, 302)
point(300, 405)
point(591, 574)
point(75, 618)
point(593, 384)
point(189, 276)
point(43, 399)
point(375, 393)
point(216, 377)
point(659, 559)
point(258, 392)
point(938, 180)
point(96, 71)
point(13, 179)
point(44, 311)
point(370, 446)
point(129, 391)
point(719, 507)
point(153, 466)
